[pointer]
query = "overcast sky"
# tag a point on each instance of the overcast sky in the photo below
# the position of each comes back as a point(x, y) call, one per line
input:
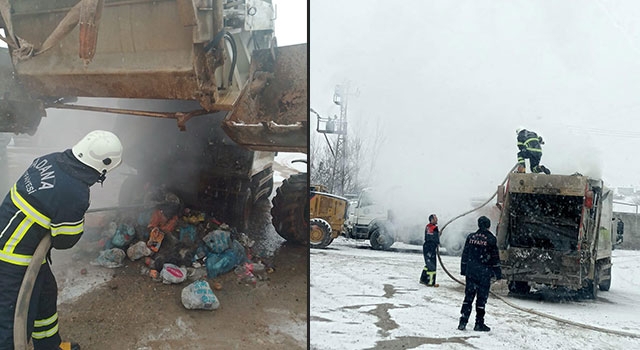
point(452, 80)
point(291, 21)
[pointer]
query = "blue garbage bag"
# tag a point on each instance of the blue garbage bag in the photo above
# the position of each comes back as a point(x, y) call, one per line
point(188, 233)
point(124, 234)
point(221, 263)
point(217, 241)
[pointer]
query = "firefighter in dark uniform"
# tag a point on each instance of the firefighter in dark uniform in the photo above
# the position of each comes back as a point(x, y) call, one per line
point(480, 262)
point(429, 250)
point(529, 144)
point(51, 197)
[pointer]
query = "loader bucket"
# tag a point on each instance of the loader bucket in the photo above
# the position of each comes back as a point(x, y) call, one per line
point(271, 113)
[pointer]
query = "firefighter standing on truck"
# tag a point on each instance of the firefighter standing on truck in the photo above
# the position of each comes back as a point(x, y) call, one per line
point(480, 262)
point(51, 197)
point(529, 146)
point(429, 250)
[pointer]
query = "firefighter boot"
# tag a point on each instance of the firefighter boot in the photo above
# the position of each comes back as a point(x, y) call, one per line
point(463, 324)
point(481, 327)
point(521, 168)
point(65, 345)
point(432, 279)
point(545, 170)
point(424, 278)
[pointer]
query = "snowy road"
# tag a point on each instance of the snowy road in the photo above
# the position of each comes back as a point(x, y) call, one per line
point(366, 299)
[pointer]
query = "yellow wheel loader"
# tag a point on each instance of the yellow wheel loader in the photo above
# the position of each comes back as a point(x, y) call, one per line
point(328, 213)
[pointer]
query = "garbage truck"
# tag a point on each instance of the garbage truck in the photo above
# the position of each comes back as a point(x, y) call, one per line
point(217, 94)
point(555, 231)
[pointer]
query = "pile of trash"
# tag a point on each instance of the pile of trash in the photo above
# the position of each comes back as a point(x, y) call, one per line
point(177, 244)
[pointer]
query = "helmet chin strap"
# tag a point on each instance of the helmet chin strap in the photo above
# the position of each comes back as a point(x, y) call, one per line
point(102, 177)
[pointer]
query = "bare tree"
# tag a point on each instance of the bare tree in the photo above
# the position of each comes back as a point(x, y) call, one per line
point(362, 147)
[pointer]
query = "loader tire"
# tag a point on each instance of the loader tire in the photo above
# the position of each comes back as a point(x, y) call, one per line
point(319, 233)
point(290, 210)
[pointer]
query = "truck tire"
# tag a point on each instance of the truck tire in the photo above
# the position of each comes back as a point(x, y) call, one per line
point(319, 233)
point(519, 287)
point(606, 284)
point(290, 210)
point(379, 239)
point(455, 249)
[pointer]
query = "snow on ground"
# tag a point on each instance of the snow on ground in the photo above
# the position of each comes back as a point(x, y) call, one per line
point(366, 299)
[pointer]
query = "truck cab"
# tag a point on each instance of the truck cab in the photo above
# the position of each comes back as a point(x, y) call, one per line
point(371, 220)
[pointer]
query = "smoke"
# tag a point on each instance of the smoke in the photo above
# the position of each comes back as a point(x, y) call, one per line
point(58, 131)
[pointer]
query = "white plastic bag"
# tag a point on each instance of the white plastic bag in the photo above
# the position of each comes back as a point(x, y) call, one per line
point(173, 274)
point(198, 295)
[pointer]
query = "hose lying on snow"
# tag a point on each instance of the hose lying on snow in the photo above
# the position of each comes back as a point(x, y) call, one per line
point(20, 340)
point(531, 311)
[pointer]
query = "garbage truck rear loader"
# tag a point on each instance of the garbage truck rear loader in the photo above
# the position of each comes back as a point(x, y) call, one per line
point(555, 230)
point(207, 66)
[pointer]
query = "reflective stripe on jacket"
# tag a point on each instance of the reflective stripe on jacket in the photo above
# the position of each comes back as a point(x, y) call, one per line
point(51, 196)
point(529, 140)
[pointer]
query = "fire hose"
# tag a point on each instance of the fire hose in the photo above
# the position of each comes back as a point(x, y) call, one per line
point(20, 338)
point(509, 303)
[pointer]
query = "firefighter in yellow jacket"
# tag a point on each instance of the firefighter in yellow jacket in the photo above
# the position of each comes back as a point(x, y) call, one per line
point(51, 197)
point(529, 146)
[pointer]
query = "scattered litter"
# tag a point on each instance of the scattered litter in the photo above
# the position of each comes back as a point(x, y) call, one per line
point(224, 262)
point(110, 258)
point(123, 235)
point(188, 234)
point(196, 273)
point(245, 240)
point(245, 274)
point(155, 239)
point(138, 251)
point(217, 241)
point(198, 295)
point(217, 285)
point(176, 244)
point(173, 274)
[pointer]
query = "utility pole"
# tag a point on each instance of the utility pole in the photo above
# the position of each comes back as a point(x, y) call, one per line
point(336, 125)
point(340, 97)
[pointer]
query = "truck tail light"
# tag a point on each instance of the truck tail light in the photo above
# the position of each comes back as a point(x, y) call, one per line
point(588, 200)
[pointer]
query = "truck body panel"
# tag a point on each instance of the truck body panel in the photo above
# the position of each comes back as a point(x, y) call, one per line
point(556, 230)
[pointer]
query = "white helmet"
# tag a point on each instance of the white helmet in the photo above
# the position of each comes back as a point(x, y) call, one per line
point(520, 128)
point(100, 150)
